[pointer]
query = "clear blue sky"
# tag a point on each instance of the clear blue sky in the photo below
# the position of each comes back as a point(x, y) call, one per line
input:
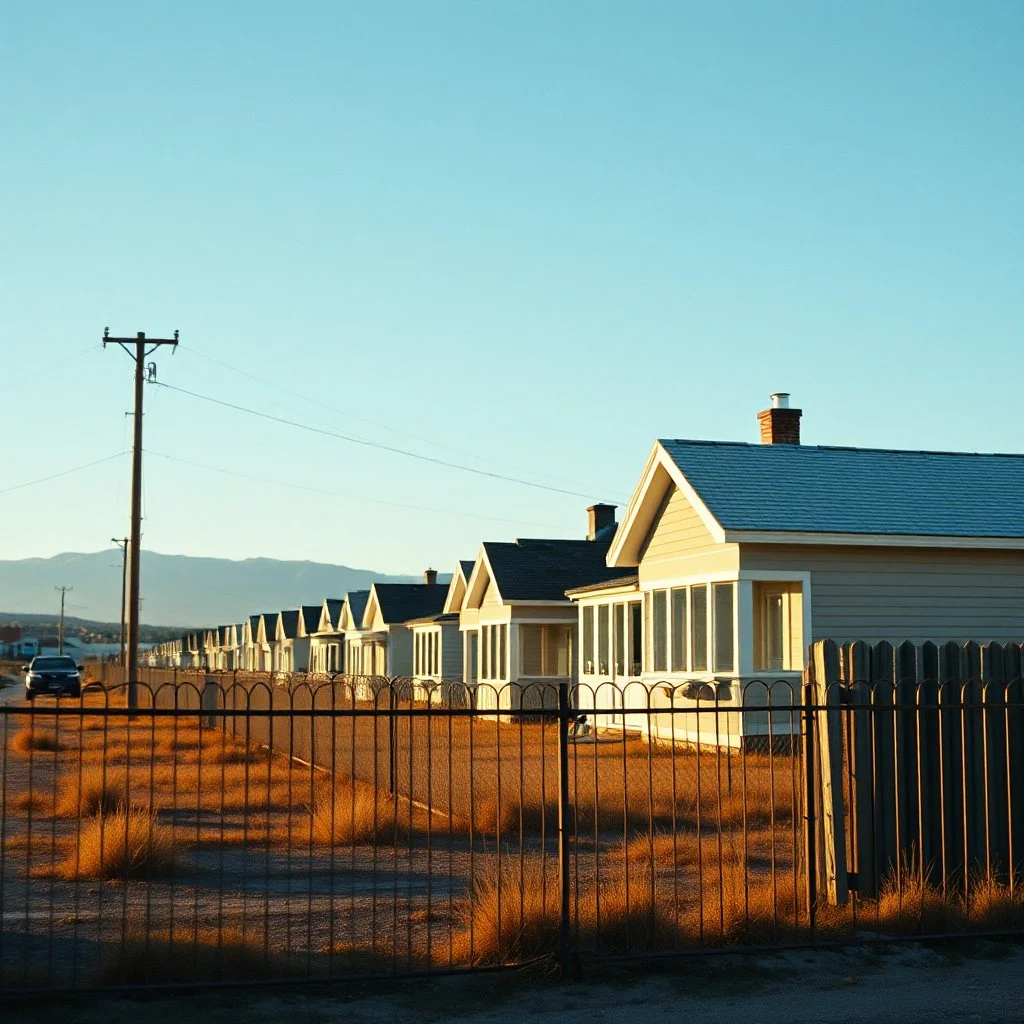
point(540, 233)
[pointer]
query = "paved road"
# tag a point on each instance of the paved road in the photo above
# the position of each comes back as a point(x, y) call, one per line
point(981, 984)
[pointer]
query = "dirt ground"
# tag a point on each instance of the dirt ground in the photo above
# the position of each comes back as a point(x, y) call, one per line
point(978, 982)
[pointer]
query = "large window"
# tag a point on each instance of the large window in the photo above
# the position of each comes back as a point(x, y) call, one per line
point(619, 617)
point(493, 645)
point(589, 662)
point(699, 629)
point(636, 638)
point(426, 655)
point(545, 651)
point(778, 627)
point(659, 631)
point(679, 629)
point(603, 639)
point(722, 626)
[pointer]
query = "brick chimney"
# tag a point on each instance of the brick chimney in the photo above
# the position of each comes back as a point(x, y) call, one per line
point(430, 577)
point(600, 518)
point(780, 424)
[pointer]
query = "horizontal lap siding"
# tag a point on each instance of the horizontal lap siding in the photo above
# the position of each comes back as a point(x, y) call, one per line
point(451, 652)
point(679, 543)
point(900, 594)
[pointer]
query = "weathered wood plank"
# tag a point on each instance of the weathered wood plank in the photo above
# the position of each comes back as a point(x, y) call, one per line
point(828, 697)
point(951, 687)
point(862, 814)
point(929, 787)
point(883, 693)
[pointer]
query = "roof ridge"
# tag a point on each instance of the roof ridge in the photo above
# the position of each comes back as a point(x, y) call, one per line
point(837, 448)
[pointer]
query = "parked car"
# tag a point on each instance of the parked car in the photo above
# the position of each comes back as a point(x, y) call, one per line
point(56, 675)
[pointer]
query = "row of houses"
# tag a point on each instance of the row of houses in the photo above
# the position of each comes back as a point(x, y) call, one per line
point(729, 559)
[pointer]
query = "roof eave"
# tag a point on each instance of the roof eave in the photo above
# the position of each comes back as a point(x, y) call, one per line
point(886, 540)
point(624, 548)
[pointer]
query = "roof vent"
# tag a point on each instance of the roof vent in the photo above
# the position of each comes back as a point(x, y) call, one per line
point(780, 424)
point(430, 577)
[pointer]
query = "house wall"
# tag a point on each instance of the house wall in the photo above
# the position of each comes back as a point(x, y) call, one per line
point(399, 651)
point(679, 544)
point(896, 594)
point(451, 652)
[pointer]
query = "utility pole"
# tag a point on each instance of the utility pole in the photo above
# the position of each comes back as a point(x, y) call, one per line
point(122, 542)
point(136, 348)
point(60, 628)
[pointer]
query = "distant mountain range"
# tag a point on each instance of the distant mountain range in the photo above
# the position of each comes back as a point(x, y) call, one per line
point(177, 590)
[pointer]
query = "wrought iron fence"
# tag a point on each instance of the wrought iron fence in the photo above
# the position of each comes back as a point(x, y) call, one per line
point(233, 828)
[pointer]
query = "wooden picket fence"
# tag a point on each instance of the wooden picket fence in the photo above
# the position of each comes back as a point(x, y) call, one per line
point(920, 764)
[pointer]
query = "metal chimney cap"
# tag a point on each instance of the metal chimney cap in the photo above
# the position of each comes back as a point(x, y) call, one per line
point(780, 400)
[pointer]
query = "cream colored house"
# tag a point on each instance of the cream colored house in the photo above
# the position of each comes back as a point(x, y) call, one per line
point(437, 659)
point(453, 606)
point(266, 642)
point(327, 641)
point(745, 553)
point(364, 655)
point(389, 610)
point(518, 625)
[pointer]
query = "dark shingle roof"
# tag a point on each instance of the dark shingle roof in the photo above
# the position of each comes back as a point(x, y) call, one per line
point(290, 622)
point(334, 606)
point(542, 570)
point(254, 623)
point(467, 567)
point(357, 604)
point(812, 489)
point(400, 602)
point(310, 617)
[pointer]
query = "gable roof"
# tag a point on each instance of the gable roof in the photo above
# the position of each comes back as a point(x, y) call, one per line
point(331, 609)
point(854, 490)
point(542, 570)
point(457, 586)
point(400, 602)
point(356, 601)
point(310, 616)
point(289, 621)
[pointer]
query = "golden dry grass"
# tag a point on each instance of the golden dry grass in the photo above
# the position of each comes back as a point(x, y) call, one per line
point(356, 813)
point(129, 843)
point(512, 916)
point(95, 790)
point(28, 739)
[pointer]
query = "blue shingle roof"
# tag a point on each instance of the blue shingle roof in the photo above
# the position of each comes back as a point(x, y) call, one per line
point(803, 488)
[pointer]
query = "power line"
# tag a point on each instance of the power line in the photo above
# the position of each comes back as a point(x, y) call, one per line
point(63, 472)
point(308, 400)
point(375, 444)
point(349, 497)
point(19, 376)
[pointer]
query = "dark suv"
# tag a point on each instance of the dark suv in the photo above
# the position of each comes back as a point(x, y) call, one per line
point(56, 675)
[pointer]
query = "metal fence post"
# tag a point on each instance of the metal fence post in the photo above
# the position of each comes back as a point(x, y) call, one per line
point(810, 799)
point(564, 819)
point(392, 781)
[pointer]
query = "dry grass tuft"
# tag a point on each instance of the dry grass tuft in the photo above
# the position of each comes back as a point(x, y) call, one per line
point(358, 814)
point(99, 790)
point(26, 741)
point(511, 917)
point(130, 843)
